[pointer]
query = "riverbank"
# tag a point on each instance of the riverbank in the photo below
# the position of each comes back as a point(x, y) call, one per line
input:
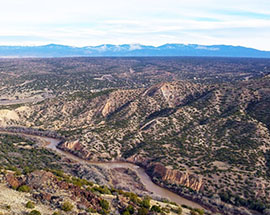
point(53, 140)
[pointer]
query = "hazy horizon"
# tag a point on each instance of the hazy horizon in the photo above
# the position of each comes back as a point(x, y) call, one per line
point(90, 23)
point(135, 44)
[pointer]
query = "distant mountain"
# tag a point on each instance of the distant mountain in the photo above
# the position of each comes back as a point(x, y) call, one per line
point(54, 50)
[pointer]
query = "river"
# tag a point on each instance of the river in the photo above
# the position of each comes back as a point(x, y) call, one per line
point(51, 143)
point(145, 179)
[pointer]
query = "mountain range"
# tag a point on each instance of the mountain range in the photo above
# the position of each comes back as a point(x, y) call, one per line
point(126, 50)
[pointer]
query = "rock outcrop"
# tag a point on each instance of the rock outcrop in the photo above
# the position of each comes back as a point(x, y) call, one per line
point(13, 181)
point(176, 177)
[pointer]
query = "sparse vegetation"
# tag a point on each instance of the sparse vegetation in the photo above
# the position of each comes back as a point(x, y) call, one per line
point(67, 206)
point(34, 212)
point(24, 188)
point(209, 123)
point(30, 205)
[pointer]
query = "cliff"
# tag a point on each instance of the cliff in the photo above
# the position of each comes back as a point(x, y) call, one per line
point(176, 177)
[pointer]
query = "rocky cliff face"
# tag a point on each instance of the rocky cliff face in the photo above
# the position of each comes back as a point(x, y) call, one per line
point(176, 177)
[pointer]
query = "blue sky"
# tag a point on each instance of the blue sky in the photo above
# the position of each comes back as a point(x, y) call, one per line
point(149, 22)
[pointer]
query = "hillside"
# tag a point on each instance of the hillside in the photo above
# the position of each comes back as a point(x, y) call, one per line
point(213, 139)
point(34, 180)
point(198, 126)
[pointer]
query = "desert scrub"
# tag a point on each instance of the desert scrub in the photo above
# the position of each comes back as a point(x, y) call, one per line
point(146, 203)
point(128, 210)
point(179, 211)
point(104, 204)
point(155, 208)
point(30, 204)
point(67, 206)
point(34, 212)
point(143, 211)
point(24, 188)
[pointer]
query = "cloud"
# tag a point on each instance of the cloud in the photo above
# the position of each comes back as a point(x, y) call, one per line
point(153, 22)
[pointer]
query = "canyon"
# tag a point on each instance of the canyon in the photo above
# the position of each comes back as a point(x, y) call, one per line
point(198, 127)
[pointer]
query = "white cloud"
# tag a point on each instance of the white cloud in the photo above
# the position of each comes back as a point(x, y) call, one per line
point(88, 22)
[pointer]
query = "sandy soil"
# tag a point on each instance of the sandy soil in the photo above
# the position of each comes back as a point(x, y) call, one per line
point(16, 201)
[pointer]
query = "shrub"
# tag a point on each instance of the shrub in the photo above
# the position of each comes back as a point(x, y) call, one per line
point(24, 188)
point(56, 213)
point(126, 213)
point(129, 210)
point(146, 203)
point(34, 212)
point(132, 196)
point(30, 205)
point(104, 204)
point(199, 211)
point(143, 211)
point(67, 206)
point(91, 210)
point(179, 210)
point(155, 208)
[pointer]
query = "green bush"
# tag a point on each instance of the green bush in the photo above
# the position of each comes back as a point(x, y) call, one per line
point(143, 211)
point(104, 204)
point(101, 189)
point(146, 203)
point(30, 205)
point(126, 213)
point(128, 210)
point(155, 208)
point(56, 213)
point(179, 210)
point(132, 196)
point(24, 188)
point(67, 206)
point(34, 212)
point(199, 211)
point(91, 210)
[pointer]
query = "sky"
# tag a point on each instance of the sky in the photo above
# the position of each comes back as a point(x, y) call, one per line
point(149, 22)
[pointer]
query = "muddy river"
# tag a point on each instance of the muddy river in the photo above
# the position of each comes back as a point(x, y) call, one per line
point(145, 179)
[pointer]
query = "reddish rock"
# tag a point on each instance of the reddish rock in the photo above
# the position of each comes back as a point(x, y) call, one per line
point(46, 196)
point(43, 196)
point(45, 183)
point(13, 181)
point(63, 185)
point(176, 177)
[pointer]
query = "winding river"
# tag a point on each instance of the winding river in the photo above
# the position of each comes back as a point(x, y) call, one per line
point(145, 179)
